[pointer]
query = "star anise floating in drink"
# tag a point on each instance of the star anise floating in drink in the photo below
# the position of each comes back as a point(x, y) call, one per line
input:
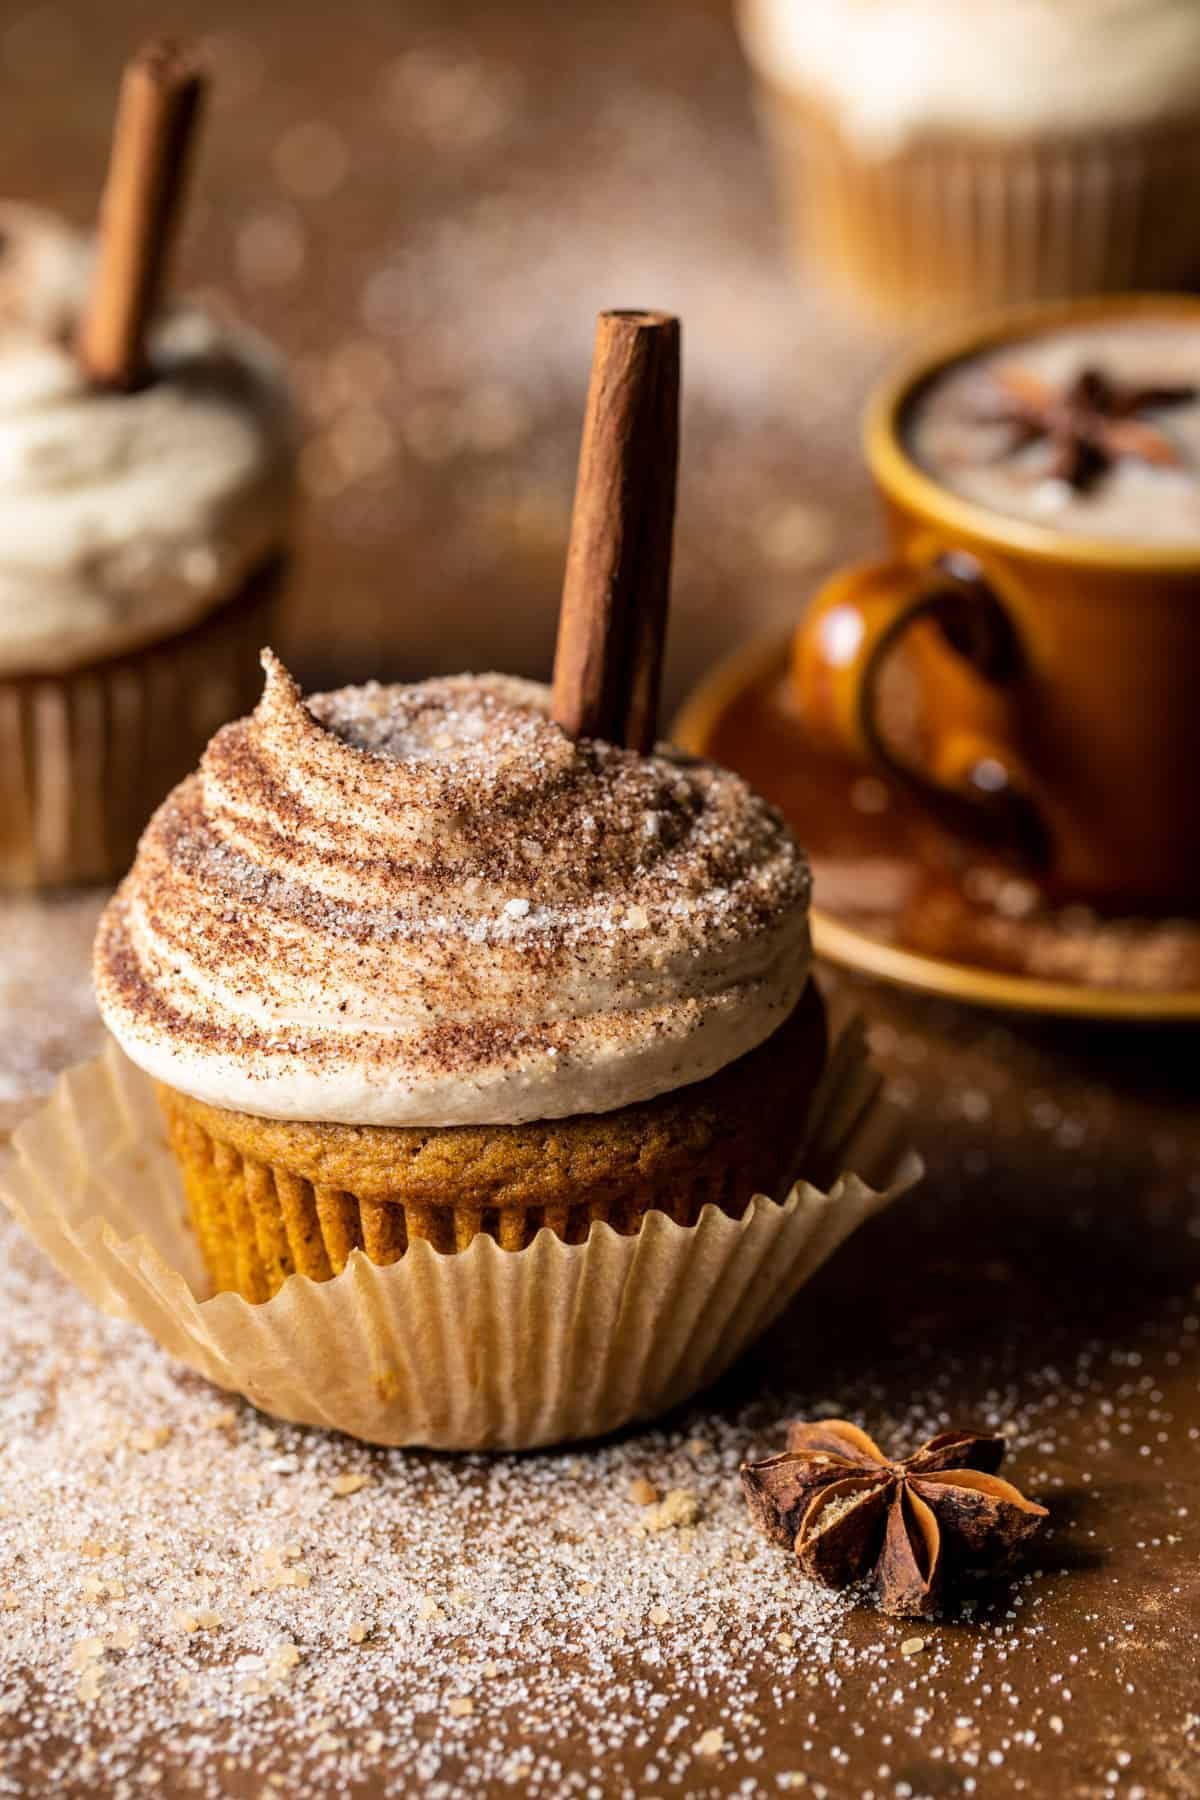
point(849, 1512)
point(1089, 424)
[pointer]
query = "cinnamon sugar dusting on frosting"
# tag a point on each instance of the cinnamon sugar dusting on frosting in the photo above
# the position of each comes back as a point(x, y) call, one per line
point(428, 905)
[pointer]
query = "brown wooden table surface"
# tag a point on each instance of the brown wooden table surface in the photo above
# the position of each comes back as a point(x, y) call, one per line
point(426, 204)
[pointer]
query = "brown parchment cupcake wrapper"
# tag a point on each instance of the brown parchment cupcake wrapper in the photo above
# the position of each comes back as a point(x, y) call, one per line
point(87, 754)
point(956, 223)
point(485, 1348)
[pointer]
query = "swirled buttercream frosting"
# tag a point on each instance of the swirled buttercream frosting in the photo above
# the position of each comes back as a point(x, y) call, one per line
point(427, 905)
point(125, 517)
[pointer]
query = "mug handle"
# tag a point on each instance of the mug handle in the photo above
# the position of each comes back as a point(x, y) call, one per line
point(979, 788)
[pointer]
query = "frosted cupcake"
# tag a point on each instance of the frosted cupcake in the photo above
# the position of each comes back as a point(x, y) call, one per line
point(146, 476)
point(937, 155)
point(141, 537)
point(412, 962)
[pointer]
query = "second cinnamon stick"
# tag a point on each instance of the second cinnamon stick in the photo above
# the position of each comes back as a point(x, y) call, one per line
point(157, 114)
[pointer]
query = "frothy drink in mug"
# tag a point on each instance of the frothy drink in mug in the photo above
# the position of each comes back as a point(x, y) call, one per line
point(1092, 429)
point(1041, 480)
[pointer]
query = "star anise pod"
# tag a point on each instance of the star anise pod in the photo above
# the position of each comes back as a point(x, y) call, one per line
point(1090, 424)
point(848, 1511)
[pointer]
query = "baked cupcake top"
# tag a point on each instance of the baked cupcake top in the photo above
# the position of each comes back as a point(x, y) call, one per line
point(428, 905)
point(896, 69)
point(124, 517)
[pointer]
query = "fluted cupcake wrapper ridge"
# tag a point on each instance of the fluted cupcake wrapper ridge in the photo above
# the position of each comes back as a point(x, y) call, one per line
point(485, 1348)
point(952, 224)
point(87, 754)
point(259, 1222)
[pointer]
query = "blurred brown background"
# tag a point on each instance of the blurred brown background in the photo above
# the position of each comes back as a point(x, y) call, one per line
point(426, 205)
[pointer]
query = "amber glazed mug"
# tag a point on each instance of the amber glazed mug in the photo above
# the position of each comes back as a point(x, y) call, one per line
point(1058, 675)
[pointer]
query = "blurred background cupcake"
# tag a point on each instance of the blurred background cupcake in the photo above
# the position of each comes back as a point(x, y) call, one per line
point(141, 538)
point(146, 481)
point(934, 156)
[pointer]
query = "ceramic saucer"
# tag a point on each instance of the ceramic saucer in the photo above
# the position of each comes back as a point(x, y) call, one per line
point(983, 936)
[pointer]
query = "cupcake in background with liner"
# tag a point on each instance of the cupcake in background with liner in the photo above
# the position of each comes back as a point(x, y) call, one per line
point(144, 511)
point(935, 155)
point(484, 1028)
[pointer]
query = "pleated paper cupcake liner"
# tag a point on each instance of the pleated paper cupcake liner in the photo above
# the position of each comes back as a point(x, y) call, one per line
point(484, 1348)
point(258, 1221)
point(87, 754)
point(958, 223)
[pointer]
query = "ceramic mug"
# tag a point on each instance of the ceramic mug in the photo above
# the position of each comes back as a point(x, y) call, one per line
point(1059, 675)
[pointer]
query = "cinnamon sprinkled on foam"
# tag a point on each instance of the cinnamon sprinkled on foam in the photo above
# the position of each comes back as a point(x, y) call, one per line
point(428, 905)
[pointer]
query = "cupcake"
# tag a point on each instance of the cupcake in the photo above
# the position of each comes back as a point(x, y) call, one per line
point(144, 511)
point(934, 155)
point(482, 1027)
point(412, 962)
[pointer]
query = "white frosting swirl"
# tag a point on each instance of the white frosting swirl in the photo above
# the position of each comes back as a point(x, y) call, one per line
point(896, 69)
point(125, 517)
point(429, 906)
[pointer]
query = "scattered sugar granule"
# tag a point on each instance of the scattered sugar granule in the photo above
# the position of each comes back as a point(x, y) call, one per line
point(459, 1706)
point(349, 1484)
point(911, 1646)
point(710, 1743)
point(88, 1687)
point(151, 1440)
point(679, 1507)
point(86, 1650)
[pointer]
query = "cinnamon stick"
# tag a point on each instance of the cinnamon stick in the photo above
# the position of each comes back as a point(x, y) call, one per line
point(162, 92)
point(612, 623)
